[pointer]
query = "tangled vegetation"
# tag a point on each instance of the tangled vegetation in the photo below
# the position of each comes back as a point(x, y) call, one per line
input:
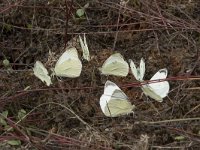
point(67, 114)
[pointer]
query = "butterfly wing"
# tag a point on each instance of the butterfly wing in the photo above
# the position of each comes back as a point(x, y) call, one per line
point(69, 65)
point(134, 70)
point(41, 72)
point(84, 47)
point(142, 69)
point(70, 68)
point(150, 92)
point(160, 88)
point(115, 68)
point(138, 72)
point(117, 103)
point(115, 65)
point(109, 89)
point(117, 107)
point(69, 53)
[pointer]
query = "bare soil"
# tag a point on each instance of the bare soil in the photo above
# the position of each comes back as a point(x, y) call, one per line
point(67, 114)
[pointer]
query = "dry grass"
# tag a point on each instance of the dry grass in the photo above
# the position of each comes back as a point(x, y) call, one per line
point(67, 115)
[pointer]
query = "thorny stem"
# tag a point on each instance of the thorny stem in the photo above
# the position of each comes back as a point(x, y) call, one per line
point(167, 121)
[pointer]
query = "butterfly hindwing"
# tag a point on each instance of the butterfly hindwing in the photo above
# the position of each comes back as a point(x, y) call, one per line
point(118, 107)
point(150, 92)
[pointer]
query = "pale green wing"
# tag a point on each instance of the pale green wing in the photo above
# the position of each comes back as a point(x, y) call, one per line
point(113, 58)
point(115, 65)
point(118, 104)
point(138, 72)
point(69, 65)
point(117, 107)
point(134, 70)
point(41, 72)
point(142, 69)
point(115, 68)
point(150, 92)
point(109, 89)
point(119, 94)
point(84, 47)
point(70, 68)
point(69, 53)
point(114, 101)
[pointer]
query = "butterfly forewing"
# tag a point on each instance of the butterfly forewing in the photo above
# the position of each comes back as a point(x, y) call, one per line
point(109, 88)
point(118, 107)
point(161, 74)
point(70, 53)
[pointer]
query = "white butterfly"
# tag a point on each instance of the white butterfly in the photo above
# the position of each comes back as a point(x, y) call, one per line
point(115, 65)
point(114, 101)
point(84, 46)
point(68, 65)
point(41, 72)
point(138, 72)
point(157, 90)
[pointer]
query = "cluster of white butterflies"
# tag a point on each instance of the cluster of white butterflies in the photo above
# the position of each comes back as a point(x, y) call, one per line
point(114, 101)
